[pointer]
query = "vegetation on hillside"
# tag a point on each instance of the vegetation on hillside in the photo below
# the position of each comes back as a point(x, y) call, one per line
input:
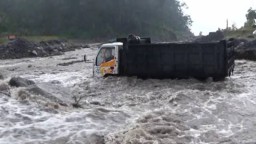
point(245, 31)
point(94, 19)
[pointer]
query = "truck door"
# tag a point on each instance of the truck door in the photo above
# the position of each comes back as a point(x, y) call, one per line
point(106, 62)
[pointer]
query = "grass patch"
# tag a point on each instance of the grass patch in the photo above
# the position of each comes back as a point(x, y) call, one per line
point(244, 33)
point(40, 38)
point(3, 40)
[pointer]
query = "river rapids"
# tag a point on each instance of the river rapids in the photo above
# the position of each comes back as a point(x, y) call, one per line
point(124, 110)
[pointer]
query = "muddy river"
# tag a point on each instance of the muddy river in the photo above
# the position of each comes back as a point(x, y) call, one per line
point(124, 110)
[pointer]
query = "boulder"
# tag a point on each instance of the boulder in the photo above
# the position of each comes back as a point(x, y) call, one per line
point(245, 49)
point(20, 82)
point(17, 48)
point(1, 76)
point(21, 48)
point(34, 53)
point(248, 54)
point(250, 36)
point(34, 89)
point(96, 103)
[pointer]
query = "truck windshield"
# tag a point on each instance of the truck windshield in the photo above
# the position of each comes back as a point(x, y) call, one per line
point(105, 54)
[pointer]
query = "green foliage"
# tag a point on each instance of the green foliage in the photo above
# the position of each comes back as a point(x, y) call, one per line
point(250, 16)
point(245, 32)
point(95, 19)
point(40, 38)
point(3, 40)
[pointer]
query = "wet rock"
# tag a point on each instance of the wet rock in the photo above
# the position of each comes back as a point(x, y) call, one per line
point(52, 42)
point(29, 66)
point(49, 49)
point(250, 36)
point(34, 89)
point(20, 82)
point(238, 42)
point(20, 48)
point(1, 76)
point(249, 54)
point(245, 49)
point(248, 44)
point(55, 82)
point(17, 48)
point(37, 94)
point(85, 46)
point(77, 105)
point(34, 53)
point(95, 103)
point(20, 43)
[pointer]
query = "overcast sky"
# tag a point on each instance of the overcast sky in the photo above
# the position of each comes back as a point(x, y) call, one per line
point(209, 15)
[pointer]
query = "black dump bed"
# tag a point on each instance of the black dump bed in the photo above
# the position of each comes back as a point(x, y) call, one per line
point(176, 60)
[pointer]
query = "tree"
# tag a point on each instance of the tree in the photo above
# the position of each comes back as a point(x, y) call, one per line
point(250, 16)
point(97, 19)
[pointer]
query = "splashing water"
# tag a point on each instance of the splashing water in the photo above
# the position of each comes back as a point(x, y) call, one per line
point(127, 109)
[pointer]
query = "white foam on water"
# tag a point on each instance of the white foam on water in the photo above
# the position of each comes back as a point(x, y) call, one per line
point(127, 108)
point(11, 65)
point(21, 123)
point(67, 79)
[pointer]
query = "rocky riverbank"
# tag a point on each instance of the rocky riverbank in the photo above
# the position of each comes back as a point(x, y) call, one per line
point(22, 48)
point(244, 48)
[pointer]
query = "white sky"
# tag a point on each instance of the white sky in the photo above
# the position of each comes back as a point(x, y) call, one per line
point(209, 15)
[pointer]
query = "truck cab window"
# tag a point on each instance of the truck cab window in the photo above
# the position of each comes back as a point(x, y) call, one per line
point(106, 54)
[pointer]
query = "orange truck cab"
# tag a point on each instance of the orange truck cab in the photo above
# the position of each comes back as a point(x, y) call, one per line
point(106, 62)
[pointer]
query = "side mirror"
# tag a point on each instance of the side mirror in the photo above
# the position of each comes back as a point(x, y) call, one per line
point(85, 58)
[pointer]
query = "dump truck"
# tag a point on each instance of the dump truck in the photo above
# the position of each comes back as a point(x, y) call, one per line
point(139, 57)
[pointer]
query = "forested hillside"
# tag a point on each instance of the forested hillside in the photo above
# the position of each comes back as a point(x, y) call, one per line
point(94, 19)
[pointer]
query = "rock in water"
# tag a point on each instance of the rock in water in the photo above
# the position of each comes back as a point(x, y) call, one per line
point(248, 54)
point(245, 50)
point(34, 89)
point(20, 82)
point(1, 76)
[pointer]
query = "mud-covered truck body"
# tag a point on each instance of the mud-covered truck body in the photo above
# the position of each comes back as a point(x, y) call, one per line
point(140, 57)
